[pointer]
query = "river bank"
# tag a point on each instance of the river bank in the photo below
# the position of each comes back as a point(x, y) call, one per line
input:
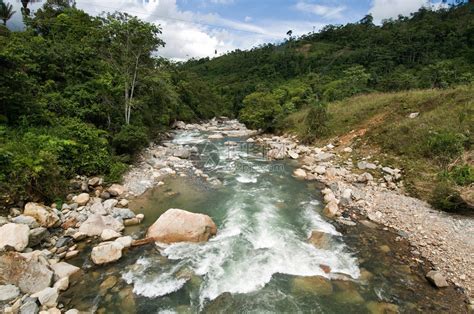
point(96, 231)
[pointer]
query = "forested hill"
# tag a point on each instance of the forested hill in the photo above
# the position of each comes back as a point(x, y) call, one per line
point(428, 49)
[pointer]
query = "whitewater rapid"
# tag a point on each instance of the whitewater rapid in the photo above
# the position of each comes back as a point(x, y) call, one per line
point(264, 232)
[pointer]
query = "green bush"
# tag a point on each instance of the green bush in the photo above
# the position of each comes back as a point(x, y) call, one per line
point(130, 139)
point(462, 175)
point(445, 146)
point(446, 197)
point(260, 111)
point(116, 170)
point(315, 123)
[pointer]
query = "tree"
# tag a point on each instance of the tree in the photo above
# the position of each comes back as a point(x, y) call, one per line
point(6, 12)
point(128, 46)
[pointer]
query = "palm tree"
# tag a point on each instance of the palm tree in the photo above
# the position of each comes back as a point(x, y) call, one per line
point(6, 12)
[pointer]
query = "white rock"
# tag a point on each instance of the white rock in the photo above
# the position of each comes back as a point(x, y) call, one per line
point(82, 199)
point(320, 170)
point(62, 284)
point(98, 208)
point(177, 225)
point(293, 154)
point(347, 150)
point(8, 292)
point(126, 241)
point(14, 235)
point(299, 173)
point(95, 224)
point(47, 297)
point(216, 136)
point(108, 234)
point(116, 189)
point(106, 252)
point(109, 204)
point(63, 269)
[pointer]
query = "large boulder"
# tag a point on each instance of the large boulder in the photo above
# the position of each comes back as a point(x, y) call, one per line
point(14, 235)
point(106, 252)
point(96, 224)
point(45, 216)
point(177, 225)
point(28, 271)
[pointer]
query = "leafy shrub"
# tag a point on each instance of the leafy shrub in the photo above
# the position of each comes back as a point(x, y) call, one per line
point(446, 197)
point(315, 122)
point(130, 139)
point(116, 170)
point(445, 146)
point(462, 175)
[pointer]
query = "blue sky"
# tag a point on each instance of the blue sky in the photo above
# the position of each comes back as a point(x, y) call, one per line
point(198, 28)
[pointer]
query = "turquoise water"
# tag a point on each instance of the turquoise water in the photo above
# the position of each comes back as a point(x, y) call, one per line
point(261, 259)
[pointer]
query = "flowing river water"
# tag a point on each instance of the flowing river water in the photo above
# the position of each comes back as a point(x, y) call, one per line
point(261, 259)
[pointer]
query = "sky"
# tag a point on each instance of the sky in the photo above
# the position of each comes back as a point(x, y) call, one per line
point(200, 28)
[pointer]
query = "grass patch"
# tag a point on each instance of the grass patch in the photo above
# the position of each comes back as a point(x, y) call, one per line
point(433, 142)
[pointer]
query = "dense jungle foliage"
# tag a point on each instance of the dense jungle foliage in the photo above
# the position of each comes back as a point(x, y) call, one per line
point(82, 94)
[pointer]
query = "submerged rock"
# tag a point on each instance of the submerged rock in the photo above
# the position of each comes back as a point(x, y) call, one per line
point(177, 225)
point(320, 239)
point(15, 236)
point(312, 285)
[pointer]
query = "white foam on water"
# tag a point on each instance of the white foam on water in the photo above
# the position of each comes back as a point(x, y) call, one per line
point(189, 137)
point(246, 178)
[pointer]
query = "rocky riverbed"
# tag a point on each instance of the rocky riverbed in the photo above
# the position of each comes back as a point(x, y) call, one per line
point(37, 240)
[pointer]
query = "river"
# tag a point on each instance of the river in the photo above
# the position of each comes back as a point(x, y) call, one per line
point(261, 259)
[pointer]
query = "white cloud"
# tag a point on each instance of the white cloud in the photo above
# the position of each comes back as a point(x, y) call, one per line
point(189, 34)
point(321, 10)
point(384, 9)
point(222, 1)
point(248, 19)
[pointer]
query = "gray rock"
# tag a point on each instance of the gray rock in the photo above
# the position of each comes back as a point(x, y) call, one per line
point(37, 235)
point(123, 213)
point(26, 220)
point(63, 241)
point(29, 307)
point(323, 156)
point(47, 297)
point(95, 181)
point(108, 205)
point(365, 177)
point(98, 208)
point(8, 292)
point(366, 165)
point(437, 279)
point(95, 224)
point(182, 153)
